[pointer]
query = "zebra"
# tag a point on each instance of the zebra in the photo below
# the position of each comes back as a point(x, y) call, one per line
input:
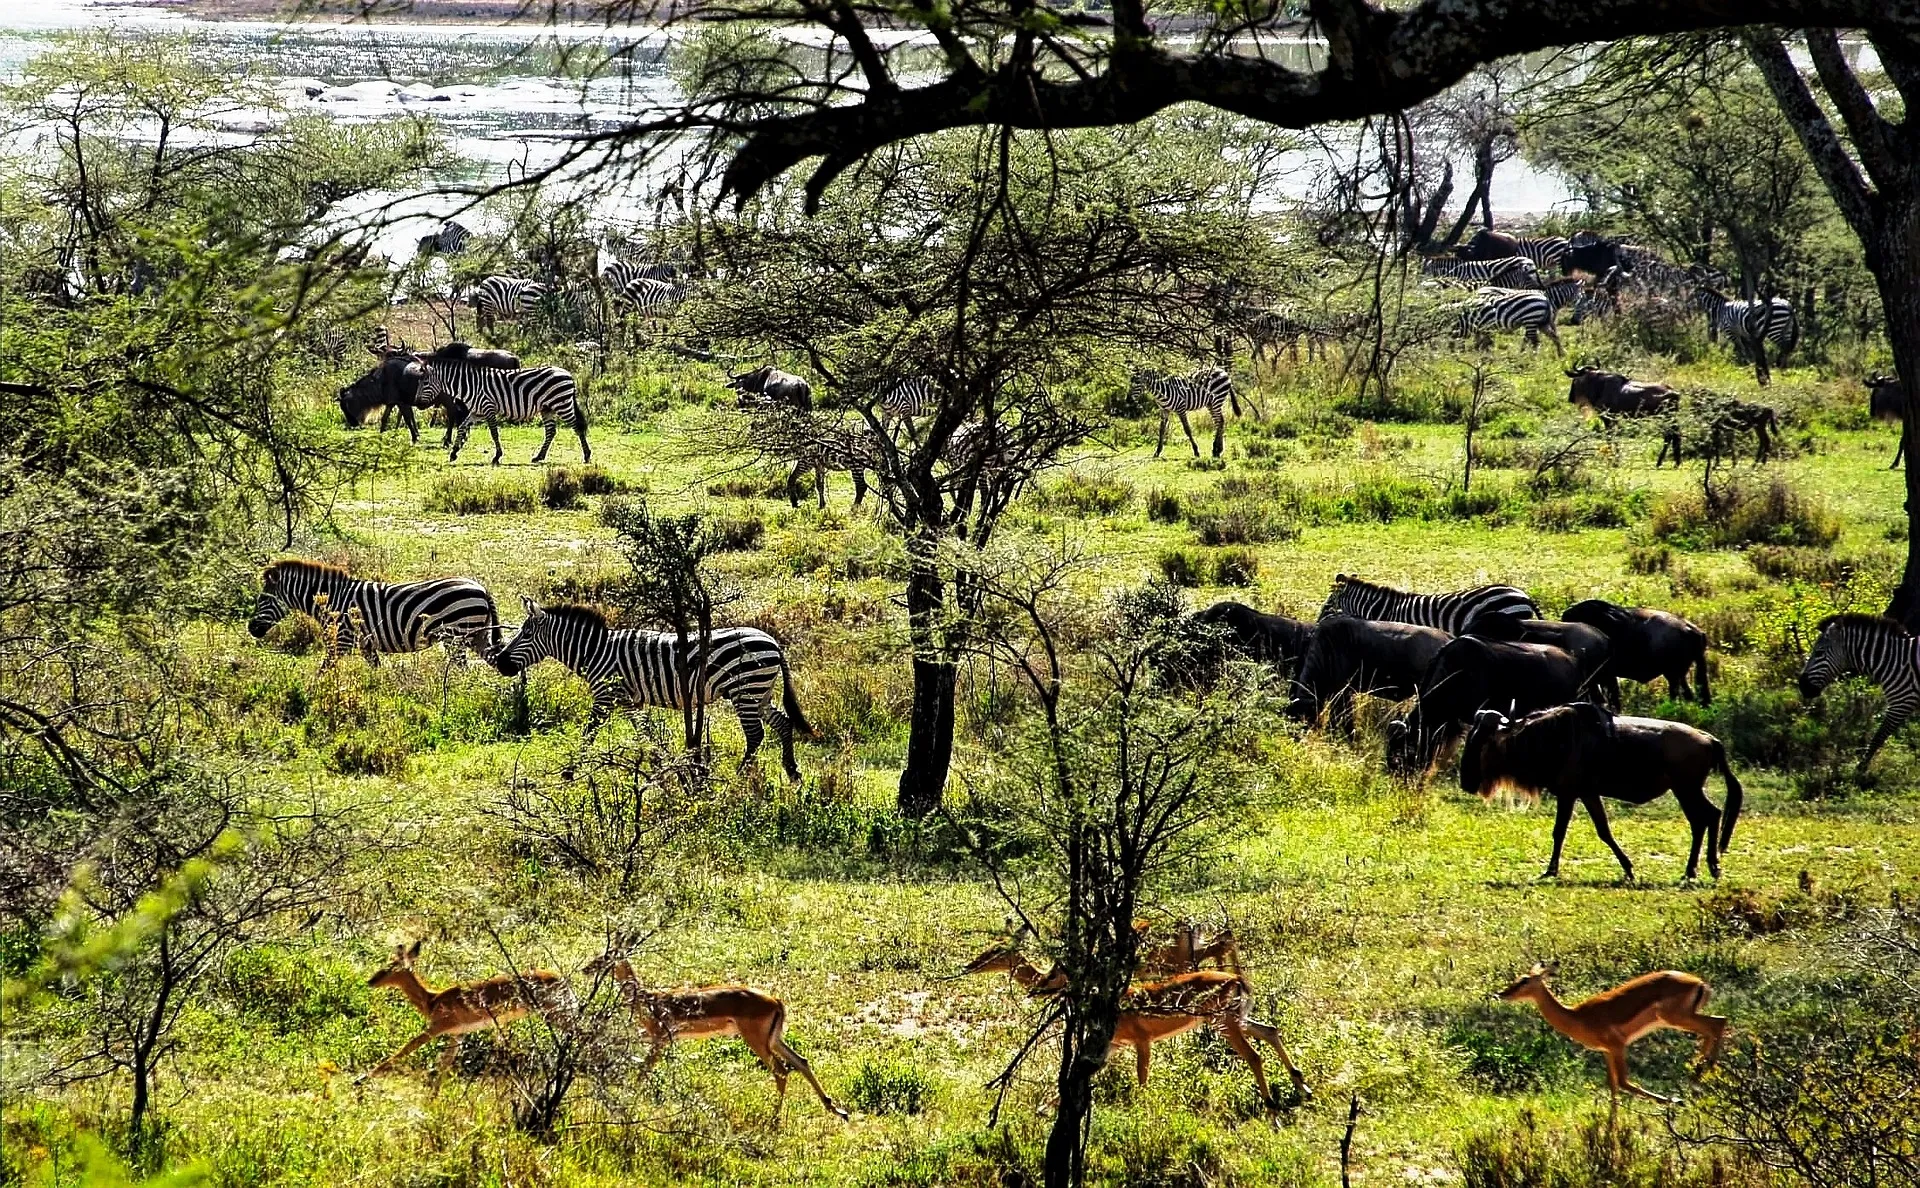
point(1209, 388)
point(1546, 252)
point(915, 396)
point(619, 274)
point(643, 668)
point(651, 297)
point(1268, 330)
point(450, 240)
point(493, 395)
point(1515, 272)
point(504, 296)
point(1750, 325)
point(1509, 309)
point(1875, 647)
point(1492, 612)
point(375, 617)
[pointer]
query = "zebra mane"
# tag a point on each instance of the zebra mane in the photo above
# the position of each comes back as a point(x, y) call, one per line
point(302, 565)
point(1347, 581)
point(1876, 623)
point(580, 612)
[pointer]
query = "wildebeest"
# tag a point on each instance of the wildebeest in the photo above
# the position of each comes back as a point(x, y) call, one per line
point(1471, 674)
point(1580, 753)
point(1608, 394)
point(771, 385)
point(1349, 656)
point(1887, 401)
point(1724, 421)
point(1234, 629)
point(1648, 644)
point(1589, 648)
point(1593, 254)
point(394, 383)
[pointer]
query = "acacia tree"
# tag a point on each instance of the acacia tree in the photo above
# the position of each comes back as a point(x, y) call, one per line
point(1010, 271)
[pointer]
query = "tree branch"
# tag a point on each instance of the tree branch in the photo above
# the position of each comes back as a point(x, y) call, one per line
point(1381, 63)
point(1816, 134)
point(1864, 125)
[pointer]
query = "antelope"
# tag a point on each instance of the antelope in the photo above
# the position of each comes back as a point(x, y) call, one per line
point(759, 1019)
point(1187, 951)
point(1612, 1020)
point(1156, 1011)
point(462, 1008)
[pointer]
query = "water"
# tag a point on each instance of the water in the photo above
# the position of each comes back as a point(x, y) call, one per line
point(501, 94)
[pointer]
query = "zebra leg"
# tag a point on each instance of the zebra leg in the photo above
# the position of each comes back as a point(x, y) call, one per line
point(459, 436)
point(1889, 724)
point(1553, 336)
point(1219, 433)
point(783, 730)
point(413, 425)
point(546, 443)
point(820, 482)
point(1188, 430)
point(1162, 443)
point(750, 726)
point(493, 427)
point(793, 486)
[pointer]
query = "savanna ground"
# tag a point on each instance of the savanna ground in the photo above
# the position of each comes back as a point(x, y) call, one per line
point(1376, 917)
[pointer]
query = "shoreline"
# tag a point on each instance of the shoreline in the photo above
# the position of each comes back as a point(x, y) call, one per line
point(530, 13)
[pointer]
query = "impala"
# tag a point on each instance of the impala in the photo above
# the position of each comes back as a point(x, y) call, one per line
point(1161, 1010)
point(1612, 1020)
point(759, 1019)
point(1187, 950)
point(466, 1007)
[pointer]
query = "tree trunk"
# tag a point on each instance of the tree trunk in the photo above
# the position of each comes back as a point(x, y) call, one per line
point(1895, 260)
point(935, 678)
point(1083, 1053)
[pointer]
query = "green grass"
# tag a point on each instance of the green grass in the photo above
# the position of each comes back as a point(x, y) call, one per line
point(1375, 918)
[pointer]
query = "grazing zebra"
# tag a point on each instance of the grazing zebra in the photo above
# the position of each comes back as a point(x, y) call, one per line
point(504, 297)
point(1209, 388)
point(469, 390)
point(642, 668)
point(375, 617)
point(1509, 309)
point(1750, 325)
point(449, 240)
point(1514, 272)
point(912, 397)
point(1492, 612)
point(1870, 646)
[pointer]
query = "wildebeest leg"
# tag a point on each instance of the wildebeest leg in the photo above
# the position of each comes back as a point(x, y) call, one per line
point(1900, 450)
point(1562, 817)
point(1677, 687)
point(1162, 443)
point(1188, 430)
point(1764, 445)
point(1598, 812)
point(493, 427)
point(1705, 822)
point(413, 425)
point(546, 443)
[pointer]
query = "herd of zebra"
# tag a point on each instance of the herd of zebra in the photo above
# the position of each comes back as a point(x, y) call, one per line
point(648, 291)
point(1474, 670)
point(1523, 282)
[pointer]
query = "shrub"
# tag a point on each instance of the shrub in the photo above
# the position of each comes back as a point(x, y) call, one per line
point(887, 1086)
point(1649, 559)
point(292, 990)
point(1164, 506)
point(1748, 514)
point(1783, 563)
point(596, 480)
point(1088, 495)
point(362, 752)
point(1240, 522)
point(560, 489)
point(467, 495)
point(1206, 463)
point(1183, 567)
point(1235, 567)
point(1528, 1154)
point(738, 533)
point(1572, 512)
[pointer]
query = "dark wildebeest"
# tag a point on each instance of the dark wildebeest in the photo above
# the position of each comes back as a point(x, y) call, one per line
point(1236, 630)
point(770, 388)
point(1608, 395)
point(1471, 674)
point(1887, 401)
point(1349, 656)
point(1725, 420)
point(394, 383)
point(1593, 254)
point(1589, 648)
point(1648, 644)
point(1580, 753)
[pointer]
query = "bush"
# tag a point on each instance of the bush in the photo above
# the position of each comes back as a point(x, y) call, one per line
point(886, 1086)
point(1088, 495)
point(1782, 563)
point(1164, 506)
point(362, 752)
point(1241, 522)
point(560, 489)
point(738, 533)
point(1748, 514)
point(1649, 559)
point(468, 495)
point(1634, 1154)
point(1183, 567)
point(1235, 567)
point(1578, 511)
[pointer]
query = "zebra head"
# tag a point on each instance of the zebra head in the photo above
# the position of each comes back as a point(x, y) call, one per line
point(1336, 601)
point(1141, 384)
point(1832, 658)
point(529, 645)
point(269, 608)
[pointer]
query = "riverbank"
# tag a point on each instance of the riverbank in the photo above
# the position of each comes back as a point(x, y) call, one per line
point(411, 12)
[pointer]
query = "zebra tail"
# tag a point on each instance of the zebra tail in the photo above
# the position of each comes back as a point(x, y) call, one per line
point(1731, 813)
point(579, 405)
point(791, 705)
point(1233, 400)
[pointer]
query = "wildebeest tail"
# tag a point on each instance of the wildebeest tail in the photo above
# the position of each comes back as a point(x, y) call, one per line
point(1731, 813)
point(791, 704)
point(1700, 675)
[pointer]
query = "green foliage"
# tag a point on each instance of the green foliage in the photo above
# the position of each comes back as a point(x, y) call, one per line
point(1083, 494)
point(462, 494)
point(1746, 513)
point(890, 1086)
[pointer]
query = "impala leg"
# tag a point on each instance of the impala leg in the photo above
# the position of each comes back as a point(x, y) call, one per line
point(406, 1050)
point(1598, 812)
point(1142, 1059)
point(1237, 1040)
point(445, 1065)
point(1271, 1035)
point(799, 1064)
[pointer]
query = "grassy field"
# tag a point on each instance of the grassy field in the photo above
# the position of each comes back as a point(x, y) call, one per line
point(1376, 917)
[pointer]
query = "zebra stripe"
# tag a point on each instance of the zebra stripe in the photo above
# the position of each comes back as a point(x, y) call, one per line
point(1870, 646)
point(1514, 272)
point(1546, 252)
point(1493, 309)
point(912, 397)
point(1209, 388)
point(1747, 323)
point(620, 273)
point(494, 394)
point(648, 668)
point(1463, 612)
point(1268, 330)
point(504, 297)
point(375, 617)
point(654, 298)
